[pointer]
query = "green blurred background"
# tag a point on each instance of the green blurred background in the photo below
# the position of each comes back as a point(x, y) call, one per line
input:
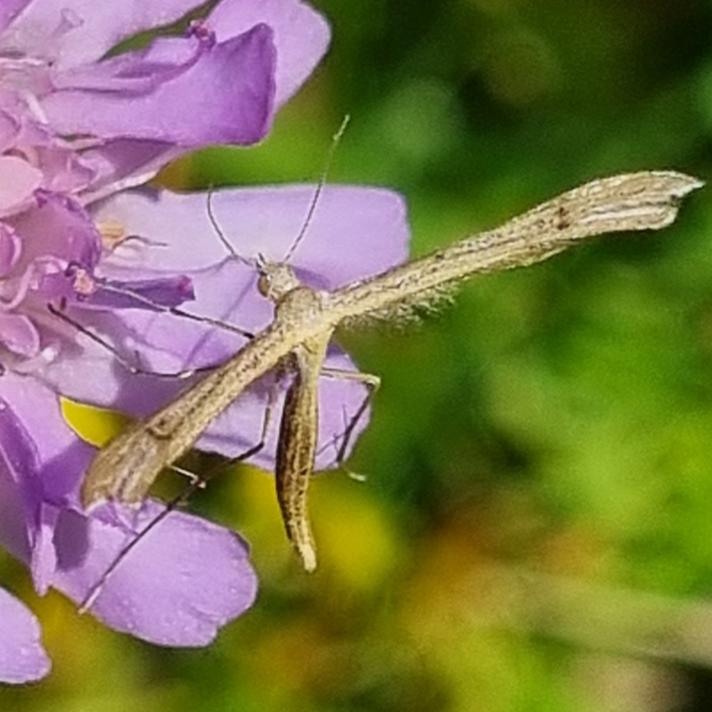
point(536, 529)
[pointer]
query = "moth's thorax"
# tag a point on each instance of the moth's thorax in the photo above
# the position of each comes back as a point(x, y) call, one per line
point(300, 304)
point(276, 280)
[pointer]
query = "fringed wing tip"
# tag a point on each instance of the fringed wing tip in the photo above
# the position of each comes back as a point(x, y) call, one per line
point(671, 190)
point(646, 200)
point(682, 184)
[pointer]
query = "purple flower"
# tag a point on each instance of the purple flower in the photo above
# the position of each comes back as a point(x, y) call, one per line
point(75, 126)
point(130, 114)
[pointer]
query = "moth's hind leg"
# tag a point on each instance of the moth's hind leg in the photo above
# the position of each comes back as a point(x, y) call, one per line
point(372, 384)
point(195, 483)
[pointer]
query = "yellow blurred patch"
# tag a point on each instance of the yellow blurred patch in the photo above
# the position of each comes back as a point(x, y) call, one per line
point(356, 537)
point(357, 545)
point(95, 425)
point(252, 490)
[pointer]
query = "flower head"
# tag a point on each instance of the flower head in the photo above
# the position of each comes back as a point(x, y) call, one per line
point(77, 124)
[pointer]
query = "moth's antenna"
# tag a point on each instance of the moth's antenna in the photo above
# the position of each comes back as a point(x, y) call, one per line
point(319, 188)
point(218, 230)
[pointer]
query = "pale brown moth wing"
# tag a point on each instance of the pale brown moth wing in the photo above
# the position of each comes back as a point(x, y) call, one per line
point(296, 446)
point(647, 200)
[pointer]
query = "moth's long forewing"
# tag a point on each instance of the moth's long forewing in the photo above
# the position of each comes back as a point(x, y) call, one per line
point(296, 446)
point(125, 469)
point(646, 200)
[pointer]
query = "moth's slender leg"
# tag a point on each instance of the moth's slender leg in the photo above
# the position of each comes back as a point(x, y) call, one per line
point(196, 482)
point(177, 311)
point(134, 367)
point(200, 481)
point(266, 422)
point(131, 367)
point(372, 384)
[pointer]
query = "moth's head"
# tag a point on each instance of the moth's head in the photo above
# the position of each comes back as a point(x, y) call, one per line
point(275, 279)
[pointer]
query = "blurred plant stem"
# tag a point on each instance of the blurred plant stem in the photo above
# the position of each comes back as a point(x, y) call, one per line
point(599, 617)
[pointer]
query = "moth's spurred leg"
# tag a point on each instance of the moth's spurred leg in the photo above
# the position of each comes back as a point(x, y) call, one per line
point(372, 384)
